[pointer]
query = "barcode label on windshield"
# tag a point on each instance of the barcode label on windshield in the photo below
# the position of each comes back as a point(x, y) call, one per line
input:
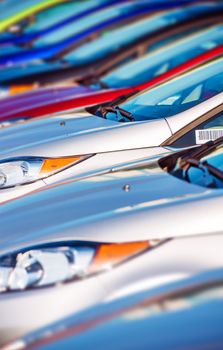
point(203, 136)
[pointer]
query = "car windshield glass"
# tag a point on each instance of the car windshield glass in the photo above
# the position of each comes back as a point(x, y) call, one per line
point(115, 39)
point(159, 62)
point(203, 131)
point(80, 25)
point(205, 171)
point(12, 8)
point(177, 95)
point(61, 12)
point(55, 14)
point(26, 70)
point(86, 23)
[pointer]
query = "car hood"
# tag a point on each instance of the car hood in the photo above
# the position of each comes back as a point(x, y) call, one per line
point(23, 104)
point(58, 101)
point(129, 205)
point(82, 134)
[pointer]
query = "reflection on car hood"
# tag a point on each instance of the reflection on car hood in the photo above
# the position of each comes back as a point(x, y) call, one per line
point(154, 204)
point(20, 103)
point(82, 134)
point(168, 306)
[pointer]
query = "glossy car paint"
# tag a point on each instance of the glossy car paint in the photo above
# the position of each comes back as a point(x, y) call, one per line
point(79, 11)
point(111, 142)
point(171, 308)
point(99, 209)
point(104, 58)
point(66, 43)
point(138, 199)
point(23, 9)
point(50, 101)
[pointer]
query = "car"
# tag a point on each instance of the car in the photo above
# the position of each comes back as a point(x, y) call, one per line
point(11, 14)
point(60, 46)
point(80, 243)
point(52, 44)
point(14, 81)
point(54, 150)
point(147, 71)
point(176, 309)
point(52, 19)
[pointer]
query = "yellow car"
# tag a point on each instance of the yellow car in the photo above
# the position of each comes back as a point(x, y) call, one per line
point(14, 11)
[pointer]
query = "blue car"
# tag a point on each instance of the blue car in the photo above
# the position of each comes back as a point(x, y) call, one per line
point(63, 40)
point(109, 50)
point(55, 18)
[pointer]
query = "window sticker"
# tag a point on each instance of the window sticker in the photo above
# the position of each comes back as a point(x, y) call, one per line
point(206, 135)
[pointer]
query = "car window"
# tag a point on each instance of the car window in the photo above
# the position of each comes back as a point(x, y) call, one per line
point(169, 56)
point(53, 15)
point(201, 176)
point(202, 166)
point(179, 94)
point(80, 25)
point(14, 7)
point(206, 131)
point(115, 39)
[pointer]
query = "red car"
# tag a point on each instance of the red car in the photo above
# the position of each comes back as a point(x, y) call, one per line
point(48, 101)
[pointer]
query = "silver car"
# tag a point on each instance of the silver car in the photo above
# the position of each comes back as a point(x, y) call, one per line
point(74, 245)
point(45, 152)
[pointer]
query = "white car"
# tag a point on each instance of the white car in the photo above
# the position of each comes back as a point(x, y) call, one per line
point(76, 244)
point(48, 151)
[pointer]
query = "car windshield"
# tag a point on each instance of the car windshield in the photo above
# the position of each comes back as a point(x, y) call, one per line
point(61, 12)
point(115, 39)
point(204, 171)
point(159, 62)
point(55, 14)
point(202, 131)
point(86, 23)
point(177, 95)
point(12, 72)
point(13, 7)
point(104, 47)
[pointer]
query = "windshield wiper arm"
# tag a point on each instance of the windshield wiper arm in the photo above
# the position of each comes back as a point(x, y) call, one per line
point(117, 101)
point(104, 110)
point(90, 79)
point(207, 168)
point(198, 152)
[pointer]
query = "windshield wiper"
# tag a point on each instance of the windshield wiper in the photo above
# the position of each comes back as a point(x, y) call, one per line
point(117, 101)
point(169, 163)
point(207, 147)
point(208, 169)
point(91, 79)
point(102, 111)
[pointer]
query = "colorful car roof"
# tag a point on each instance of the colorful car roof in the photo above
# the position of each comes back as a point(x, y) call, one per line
point(22, 9)
point(54, 44)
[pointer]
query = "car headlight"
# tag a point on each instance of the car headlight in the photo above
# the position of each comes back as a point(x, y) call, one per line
point(20, 171)
point(48, 265)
